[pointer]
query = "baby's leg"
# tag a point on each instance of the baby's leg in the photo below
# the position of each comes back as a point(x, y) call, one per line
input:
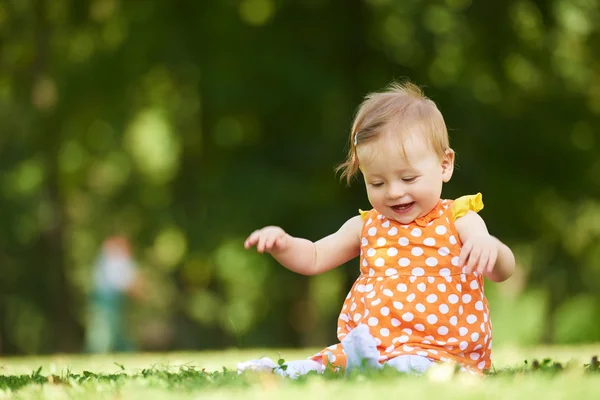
point(410, 364)
point(361, 349)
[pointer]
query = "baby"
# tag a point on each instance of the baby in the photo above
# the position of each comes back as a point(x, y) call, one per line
point(419, 298)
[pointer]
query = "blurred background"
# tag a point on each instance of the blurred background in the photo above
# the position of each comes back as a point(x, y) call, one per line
point(141, 141)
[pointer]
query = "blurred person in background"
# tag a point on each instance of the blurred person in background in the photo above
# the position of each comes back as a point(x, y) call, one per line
point(115, 279)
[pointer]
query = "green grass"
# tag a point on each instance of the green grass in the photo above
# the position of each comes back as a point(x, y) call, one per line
point(549, 373)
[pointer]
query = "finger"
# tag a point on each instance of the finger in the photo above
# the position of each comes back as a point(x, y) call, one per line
point(270, 241)
point(464, 254)
point(251, 240)
point(261, 243)
point(483, 262)
point(492, 262)
point(473, 258)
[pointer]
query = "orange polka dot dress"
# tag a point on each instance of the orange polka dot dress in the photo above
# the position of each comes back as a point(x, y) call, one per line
point(412, 293)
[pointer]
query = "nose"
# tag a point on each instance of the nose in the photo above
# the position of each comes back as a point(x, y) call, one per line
point(395, 190)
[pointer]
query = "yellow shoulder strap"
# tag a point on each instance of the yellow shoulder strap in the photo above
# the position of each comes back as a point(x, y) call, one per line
point(463, 204)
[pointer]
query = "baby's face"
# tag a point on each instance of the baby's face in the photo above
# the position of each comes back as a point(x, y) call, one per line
point(403, 189)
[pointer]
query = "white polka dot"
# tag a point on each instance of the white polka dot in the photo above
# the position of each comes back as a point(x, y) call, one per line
point(360, 288)
point(420, 307)
point(407, 317)
point(481, 365)
point(453, 320)
point(416, 251)
point(444, 272)
point(452, 239)
point(418, 272)
point(410, 297)
point(365, 262)
point(444, 309)
point(420, 327)
point(440, 229)
point(364, 241)
point(412, 279)
point(371, 271)
point(378, 341)
point(454, 261)
point(421, 286)
point(371, 252)
point(385, 311)
point(485, 317)
point(471, 319)
point(474, 284)
point(429, 242)
point(452, 340)
point(393, 231)
point(490, 344)
point(404, 262)
point(380, 262)
point(369, 221)
point(430, 279)
point(392, 252)
point(372, 231)
point(395, 322)
point(390, 272)
point(463, 331)
point(381, 242)
point(403, 339)
point(475, 356)
point(422, 353)
point(443, 251)
point(432, 298)
point(371, 295)
point(373, 321)
point(431, 261)
point(475, 337)
point(397, 305)
point(416, 232)
point(432, 318)
point(353, 307)
point(463, 345)
point(407, 348)
point(466, 298)
point(344, 317)
point(453, 299)
point(479, 305)
point(388, 292)
point(386, 224)
point(368, 287)
point(459, 287)
point(460, 310)
point(401, 287)
point(442, 330)
point(408, 331)
point(441, 287)
point(403, 241)
point(486, 338)
point(375, 302)
point(385, 332)
point(357, 317)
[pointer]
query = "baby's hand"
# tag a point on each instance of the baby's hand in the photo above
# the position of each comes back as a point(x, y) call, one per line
point(269, 239)
point(480, 254)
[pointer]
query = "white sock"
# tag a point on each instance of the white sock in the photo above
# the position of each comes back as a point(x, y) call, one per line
point(294, 369)
point(410, 364)
point(361, 349)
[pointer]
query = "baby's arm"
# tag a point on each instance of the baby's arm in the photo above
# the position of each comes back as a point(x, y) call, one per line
point(304, 256)
point(481, 251)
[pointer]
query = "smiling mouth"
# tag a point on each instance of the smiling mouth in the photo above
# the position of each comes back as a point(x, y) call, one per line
point(403, 207)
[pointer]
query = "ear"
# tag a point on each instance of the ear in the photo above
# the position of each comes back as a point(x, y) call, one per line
point(447, 165)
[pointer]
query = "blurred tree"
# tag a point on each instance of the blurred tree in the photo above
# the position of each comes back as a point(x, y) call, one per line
point(186, 125)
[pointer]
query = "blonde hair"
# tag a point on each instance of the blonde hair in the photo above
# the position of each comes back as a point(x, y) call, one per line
point(400, 107)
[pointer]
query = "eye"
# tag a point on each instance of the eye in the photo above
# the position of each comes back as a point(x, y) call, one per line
point(409, 179)
point(377, 184)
